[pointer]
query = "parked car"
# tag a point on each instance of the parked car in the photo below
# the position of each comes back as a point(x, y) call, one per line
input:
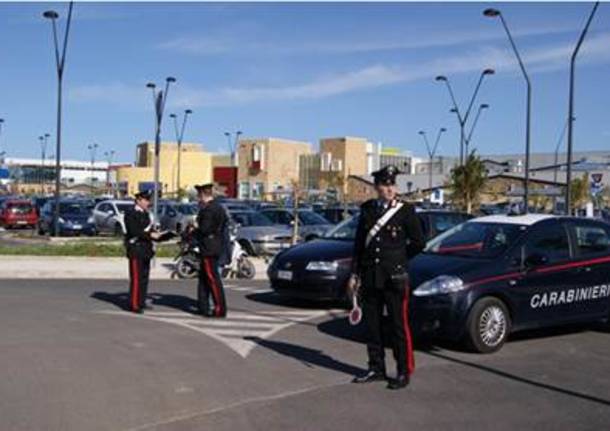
point(18, 213)
point(311, 224)
point(75, 218)
point(258, 235)
point(176, 216)
point(108, 216)
point(336, 214)
point(319, 269)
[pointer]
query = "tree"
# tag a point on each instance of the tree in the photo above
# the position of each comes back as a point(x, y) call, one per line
point(467, 181)
point(579, 192)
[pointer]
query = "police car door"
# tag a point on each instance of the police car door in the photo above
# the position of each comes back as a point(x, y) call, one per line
point(592, 264)
point(544, 254)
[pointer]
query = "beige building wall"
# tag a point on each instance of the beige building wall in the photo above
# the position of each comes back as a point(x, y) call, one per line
point(340, 158)
point(196, 167)
point(268, 164)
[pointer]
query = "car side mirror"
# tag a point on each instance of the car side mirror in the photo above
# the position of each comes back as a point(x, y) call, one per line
point(534, 260)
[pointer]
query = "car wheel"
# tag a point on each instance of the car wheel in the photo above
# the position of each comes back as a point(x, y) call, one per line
point(488, 325)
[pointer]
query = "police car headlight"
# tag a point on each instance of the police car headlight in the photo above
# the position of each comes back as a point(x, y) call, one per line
point(321, 266)
point(440, 285)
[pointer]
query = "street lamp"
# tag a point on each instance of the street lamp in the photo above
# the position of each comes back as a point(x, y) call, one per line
point(482, 106)
point(493, 13)
point(60, 61)
point(233, 146)
point(1, 124)
point(92, 150)
point(109, 158)
point(431, 151)
point(159, 99)
point(568, 198)
point(463, 118)
point(179, 136)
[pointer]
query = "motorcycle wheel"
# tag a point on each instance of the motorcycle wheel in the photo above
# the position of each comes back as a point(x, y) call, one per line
point(185, 268)
point(246, 269)
point(224, 272)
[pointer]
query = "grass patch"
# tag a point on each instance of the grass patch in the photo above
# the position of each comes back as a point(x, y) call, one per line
point(84, 249)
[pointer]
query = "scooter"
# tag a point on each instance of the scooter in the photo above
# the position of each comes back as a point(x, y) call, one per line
point(187, 262)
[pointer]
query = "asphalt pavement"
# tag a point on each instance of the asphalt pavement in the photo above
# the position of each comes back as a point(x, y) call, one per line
point(72, 359)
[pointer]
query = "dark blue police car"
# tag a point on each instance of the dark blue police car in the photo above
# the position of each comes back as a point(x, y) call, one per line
point(486, 278)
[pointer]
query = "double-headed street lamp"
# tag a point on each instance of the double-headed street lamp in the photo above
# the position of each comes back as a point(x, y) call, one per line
point(179, 136)
point(463, 118)
point(568, 198)
point(92, 151)
point(109, 158)
point(494, 13)
point(60, 61)
point(468, 139)
point(431, 152)
point(233, 146)
point(159, 99)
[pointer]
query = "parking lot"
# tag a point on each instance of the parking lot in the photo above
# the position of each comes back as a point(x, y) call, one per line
point(72, 359)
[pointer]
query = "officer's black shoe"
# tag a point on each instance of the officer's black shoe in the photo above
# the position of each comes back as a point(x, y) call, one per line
point(401, 381)
point(370, 376)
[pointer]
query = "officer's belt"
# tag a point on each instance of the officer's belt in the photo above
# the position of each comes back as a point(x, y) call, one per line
point(381, 223)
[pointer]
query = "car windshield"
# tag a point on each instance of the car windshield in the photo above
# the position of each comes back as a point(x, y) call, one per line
point(74, 208)
point(310, 217)
point(187, 209)
point(19, 207)
point(251, 219)
point(345, 231)
point(124, 207)
point(476, 239)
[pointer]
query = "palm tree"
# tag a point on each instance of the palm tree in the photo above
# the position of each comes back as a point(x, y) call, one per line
point(466, 182)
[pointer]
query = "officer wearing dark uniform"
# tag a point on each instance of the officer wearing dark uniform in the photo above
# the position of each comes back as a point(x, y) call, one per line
point(211, 222)
point(139, 235)
point(388, 234)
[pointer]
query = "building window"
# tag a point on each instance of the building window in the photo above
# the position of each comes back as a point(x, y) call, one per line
point(258, 190)
point(244, 190)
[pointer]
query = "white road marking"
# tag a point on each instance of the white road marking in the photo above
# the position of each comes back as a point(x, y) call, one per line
point(239, 330)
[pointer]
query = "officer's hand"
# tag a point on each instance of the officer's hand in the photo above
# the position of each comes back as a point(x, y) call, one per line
point(352, 285)
point(155, 235)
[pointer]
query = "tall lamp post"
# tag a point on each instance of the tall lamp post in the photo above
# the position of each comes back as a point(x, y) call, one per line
point(493, 13)
point(92, 151)
point(60, 62)
point(568, 198)
point(482, 107)
point(179, 137)
point(1, 124)
point(109, 158)
point(159, 99)
point(463, 118)
point(431, 151)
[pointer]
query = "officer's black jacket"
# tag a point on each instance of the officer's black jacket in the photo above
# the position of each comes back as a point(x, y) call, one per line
point(210, 224)
point(400, 239)
point(137, 236)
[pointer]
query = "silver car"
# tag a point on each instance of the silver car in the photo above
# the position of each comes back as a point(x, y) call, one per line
point(176, 216)
point(108, 216)
point(258, 235)
point(311, 224)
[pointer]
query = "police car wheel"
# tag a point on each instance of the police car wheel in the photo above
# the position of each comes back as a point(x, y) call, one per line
point(488, 325)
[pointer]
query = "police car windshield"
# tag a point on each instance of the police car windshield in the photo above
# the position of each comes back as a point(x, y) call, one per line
point(476, 239)
point(345, 231)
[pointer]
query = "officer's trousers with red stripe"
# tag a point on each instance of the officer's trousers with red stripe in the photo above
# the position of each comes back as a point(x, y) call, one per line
point(139, 270)
point(210, 284)
point(396, 300)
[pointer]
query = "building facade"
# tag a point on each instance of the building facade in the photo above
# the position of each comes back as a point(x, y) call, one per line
point(268, 167)
point(195, 168)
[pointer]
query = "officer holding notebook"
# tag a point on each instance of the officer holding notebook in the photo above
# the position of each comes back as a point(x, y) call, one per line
point(389, 233)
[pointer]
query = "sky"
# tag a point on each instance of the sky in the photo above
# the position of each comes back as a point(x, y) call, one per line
point(301, 71)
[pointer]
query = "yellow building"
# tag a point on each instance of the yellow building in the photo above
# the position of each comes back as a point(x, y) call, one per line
point(195, 168)
point(267, 166)
point(345, 156)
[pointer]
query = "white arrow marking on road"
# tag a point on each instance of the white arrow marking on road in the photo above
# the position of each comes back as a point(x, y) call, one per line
point(234, 330)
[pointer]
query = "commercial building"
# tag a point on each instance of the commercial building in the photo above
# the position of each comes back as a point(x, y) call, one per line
point(195, 168)
point(268, 167)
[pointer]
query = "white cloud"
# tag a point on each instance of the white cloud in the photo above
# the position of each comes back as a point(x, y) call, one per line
point(537, 60)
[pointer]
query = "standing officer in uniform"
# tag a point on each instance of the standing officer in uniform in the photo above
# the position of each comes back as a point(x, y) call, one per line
point(388, 234)
point(139, 235)
point(211, 222)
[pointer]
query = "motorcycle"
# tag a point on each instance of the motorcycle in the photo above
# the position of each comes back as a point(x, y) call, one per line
point(187, 262)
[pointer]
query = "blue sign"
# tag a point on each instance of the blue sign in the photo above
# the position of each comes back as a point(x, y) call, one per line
point(4, 174)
